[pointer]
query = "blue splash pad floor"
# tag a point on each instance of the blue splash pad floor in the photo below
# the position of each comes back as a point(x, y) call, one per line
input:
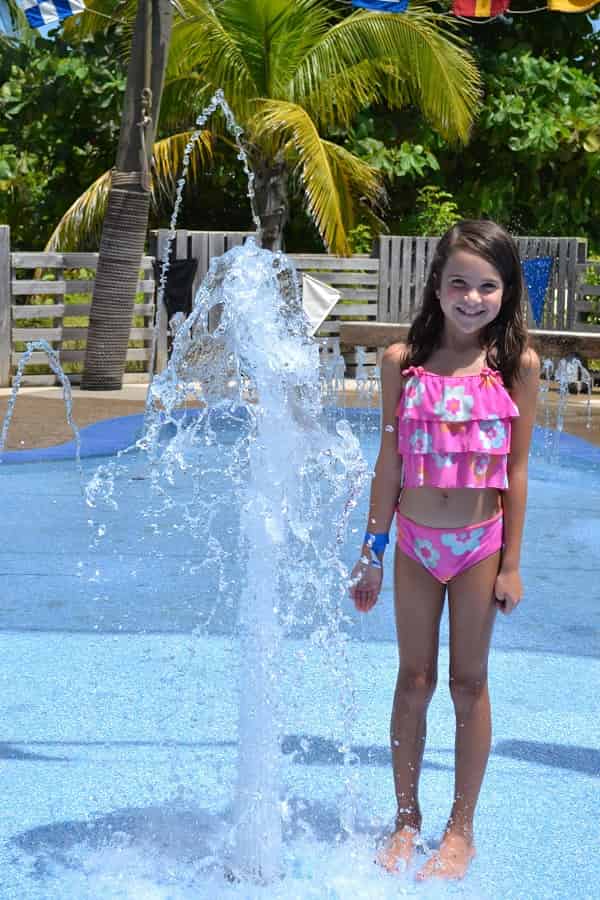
point(118, 742)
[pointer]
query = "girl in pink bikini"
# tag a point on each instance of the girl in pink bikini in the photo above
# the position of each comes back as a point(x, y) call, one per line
point(458, 408)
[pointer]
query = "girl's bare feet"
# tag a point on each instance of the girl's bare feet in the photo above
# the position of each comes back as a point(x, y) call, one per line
point(451, 861)
point(397, 851)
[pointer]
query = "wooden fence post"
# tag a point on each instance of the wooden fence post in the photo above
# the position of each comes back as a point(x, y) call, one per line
point(162, 356)
point(5, 304)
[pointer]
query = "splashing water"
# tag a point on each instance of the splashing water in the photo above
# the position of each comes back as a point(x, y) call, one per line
point(547, 370)
point(333, 372)
point(255, 383)
point(217, 102)
point(571, 371)
point(367, 381)
point(54, 364)
point(566, 372)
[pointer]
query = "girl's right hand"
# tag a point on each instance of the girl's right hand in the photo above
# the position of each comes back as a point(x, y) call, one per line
point(366, 589)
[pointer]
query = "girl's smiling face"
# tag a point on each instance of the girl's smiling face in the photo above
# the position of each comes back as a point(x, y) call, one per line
point(470, 291)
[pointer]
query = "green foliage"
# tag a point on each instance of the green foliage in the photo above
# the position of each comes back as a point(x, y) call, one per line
point(537, 142)
point(533, 161)
point(403, 159)
point(361, 239)
point(59, 116)
point(592, 275)
point(542, 108)
point(436, 211)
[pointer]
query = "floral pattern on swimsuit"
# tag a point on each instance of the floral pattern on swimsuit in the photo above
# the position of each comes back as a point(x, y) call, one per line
point(455, 430)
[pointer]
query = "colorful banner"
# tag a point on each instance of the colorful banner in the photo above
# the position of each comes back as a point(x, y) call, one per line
point(45, 12)
point(381, 5)
point(479, 9)
point(571, 6)
point(537, 275)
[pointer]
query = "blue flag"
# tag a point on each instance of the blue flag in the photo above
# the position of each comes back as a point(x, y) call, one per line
point(44, 12)
point(382, 5)
point(537, 275)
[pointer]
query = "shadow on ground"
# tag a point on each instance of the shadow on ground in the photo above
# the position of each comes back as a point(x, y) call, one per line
point(577, 759)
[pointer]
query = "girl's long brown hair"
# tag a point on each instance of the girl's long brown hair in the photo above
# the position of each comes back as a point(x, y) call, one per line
point(505, 338)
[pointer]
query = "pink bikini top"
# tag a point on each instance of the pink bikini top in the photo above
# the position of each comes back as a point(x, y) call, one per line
point(454, 430)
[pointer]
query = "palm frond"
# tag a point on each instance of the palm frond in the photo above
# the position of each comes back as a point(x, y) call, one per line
point(81, 225)
point(183, 97)
point(337, 100)
point(330, 176)
point(359, 185)
point(167, 163)
point(274, 36)
point(421, 45)
point(214, 51)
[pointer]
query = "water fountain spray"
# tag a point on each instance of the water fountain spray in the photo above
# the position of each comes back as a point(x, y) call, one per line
point(53, 362)
point(255, 377)
point(217, 101)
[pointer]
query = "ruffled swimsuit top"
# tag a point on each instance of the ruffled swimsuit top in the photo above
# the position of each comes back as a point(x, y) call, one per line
point(454, 430)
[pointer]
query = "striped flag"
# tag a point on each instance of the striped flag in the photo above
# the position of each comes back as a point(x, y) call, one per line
point(382, 5)
point(45, 12)
point(479, 9)
point(571, 6)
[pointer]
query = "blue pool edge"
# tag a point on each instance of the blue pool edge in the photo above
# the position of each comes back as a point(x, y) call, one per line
point(109, 436)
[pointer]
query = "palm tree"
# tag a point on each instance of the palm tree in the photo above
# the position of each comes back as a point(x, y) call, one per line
point(294, 71)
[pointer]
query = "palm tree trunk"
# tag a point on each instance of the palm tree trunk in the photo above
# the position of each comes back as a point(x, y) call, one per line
point(272, 207)
point(126, 221)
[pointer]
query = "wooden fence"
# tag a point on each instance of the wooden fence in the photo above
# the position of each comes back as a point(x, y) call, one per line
point(356, 277)
point(36, 290)
point(35, 293)
point(587, 297)
point(404, 262)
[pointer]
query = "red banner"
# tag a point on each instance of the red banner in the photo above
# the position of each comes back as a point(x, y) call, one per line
point(479, 9)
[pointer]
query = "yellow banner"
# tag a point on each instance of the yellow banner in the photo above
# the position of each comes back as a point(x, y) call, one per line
point(483, 8)
point(571, 6)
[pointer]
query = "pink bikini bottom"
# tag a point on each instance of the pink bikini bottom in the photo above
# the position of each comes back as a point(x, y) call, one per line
point(447, 552)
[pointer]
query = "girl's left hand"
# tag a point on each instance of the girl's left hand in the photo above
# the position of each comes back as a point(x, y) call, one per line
point(508, 590)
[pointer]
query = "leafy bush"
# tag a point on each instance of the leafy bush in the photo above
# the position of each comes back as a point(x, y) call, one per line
point(59, 124)
point(437, 211)
point(361, 239)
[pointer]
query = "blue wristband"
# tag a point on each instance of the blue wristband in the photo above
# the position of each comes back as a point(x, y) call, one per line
point(376, 542)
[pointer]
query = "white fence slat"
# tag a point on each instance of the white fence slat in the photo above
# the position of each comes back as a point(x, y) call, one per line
point(383, 299)
point(400, 285)
point(324, 262)
point(37, 334)
point(352, 310)
point(139, 354)
point(20, 287)
point(27, 259)
point(365, 294)
point(338, 279)
point(38, 311)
